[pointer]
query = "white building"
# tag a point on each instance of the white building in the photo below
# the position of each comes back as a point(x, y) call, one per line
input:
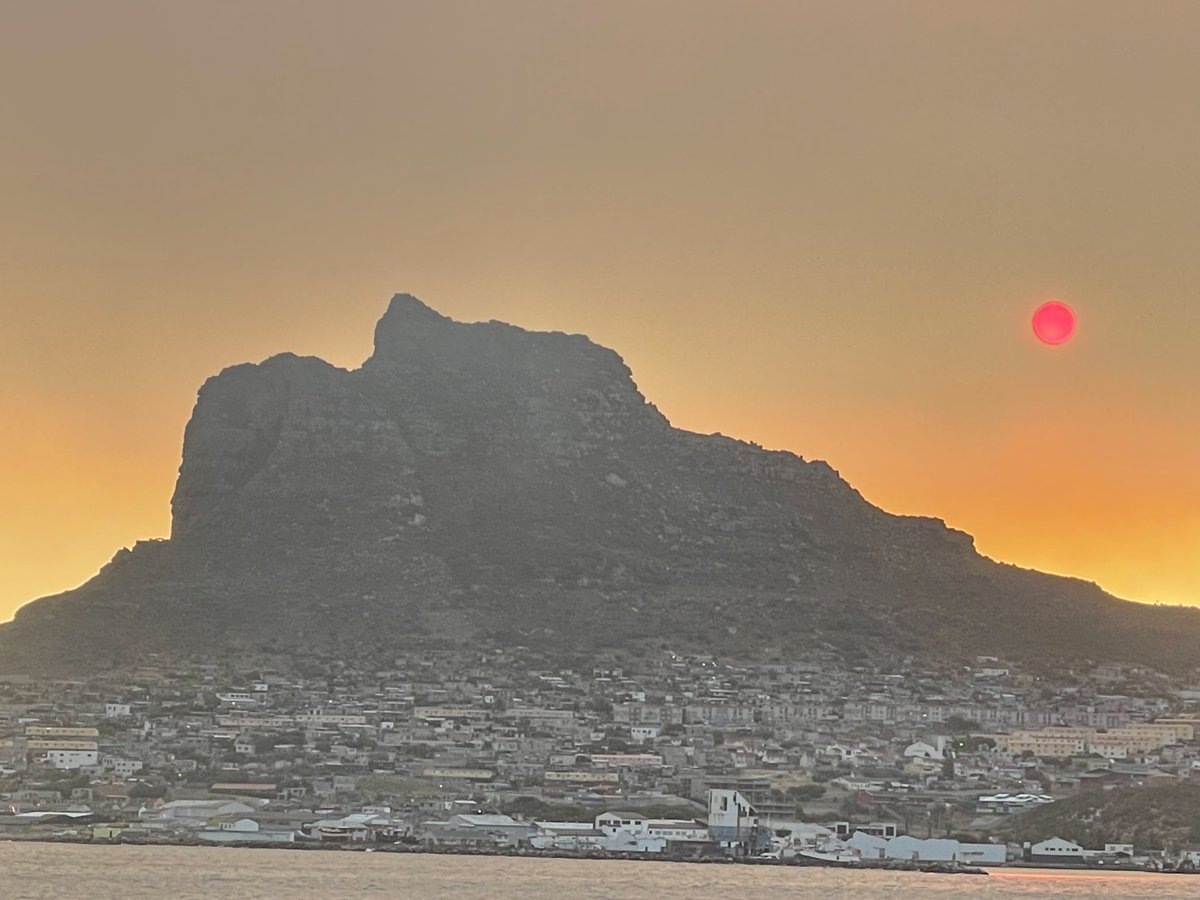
point(316, 717)
point(238, 699)
point(628, 833)
point(479, 829)
point(923, 750)
point(1003, 804)
point(621, 841)
point(626, 760)
point(121, 766)
point(244, 831)
point(858, 784)
point(800, 835)
point(196, 811)
point(905, 847)
point(1112, 850)
point(620, 832)
point(1056, 849)
point(567, 836)
point(69, 759)
point(355, 827)
point(733, 823)
point(678, 830)
point(612, 822)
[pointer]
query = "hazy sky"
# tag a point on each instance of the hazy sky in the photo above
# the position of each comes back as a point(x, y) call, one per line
point(821, 226)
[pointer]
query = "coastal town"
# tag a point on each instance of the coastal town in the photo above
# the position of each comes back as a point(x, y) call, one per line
point(674, 756)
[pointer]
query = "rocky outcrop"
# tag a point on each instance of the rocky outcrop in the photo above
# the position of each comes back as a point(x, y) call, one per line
point(478, 482)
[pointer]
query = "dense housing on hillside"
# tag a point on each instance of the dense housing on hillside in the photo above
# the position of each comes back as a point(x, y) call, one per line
point(505, 748)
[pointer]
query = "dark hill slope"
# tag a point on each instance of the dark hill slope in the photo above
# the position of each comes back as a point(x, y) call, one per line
point(1149, 818)
point(477, 482)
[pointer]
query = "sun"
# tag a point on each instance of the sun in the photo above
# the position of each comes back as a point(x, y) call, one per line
point(1054, 322)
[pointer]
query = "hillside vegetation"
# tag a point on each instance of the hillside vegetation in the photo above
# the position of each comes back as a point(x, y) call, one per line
point(1151, 817)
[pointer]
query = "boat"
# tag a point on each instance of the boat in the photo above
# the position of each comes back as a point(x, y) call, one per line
point(950, 868)
point(841, 858)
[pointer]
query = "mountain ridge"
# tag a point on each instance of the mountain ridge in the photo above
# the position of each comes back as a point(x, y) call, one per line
point(477, 482)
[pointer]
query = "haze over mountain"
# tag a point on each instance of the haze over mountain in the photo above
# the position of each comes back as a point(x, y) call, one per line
point(480, 483)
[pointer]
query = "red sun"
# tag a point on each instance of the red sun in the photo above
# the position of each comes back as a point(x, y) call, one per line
point(1053, 322)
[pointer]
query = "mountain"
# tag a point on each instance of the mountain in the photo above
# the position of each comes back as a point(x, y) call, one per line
point(480, 483)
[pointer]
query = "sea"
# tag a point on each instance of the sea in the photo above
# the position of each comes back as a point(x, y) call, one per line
point(66, 871)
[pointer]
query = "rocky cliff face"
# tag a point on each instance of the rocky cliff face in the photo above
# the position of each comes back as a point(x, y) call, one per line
point(477, 482)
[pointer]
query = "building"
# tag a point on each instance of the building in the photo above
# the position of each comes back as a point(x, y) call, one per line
point(1056, 849)
point(626, 760)
point(1119, 743)
point(243, 831)
point(354, 828)
point(734, 824)
point(628, 832)
point(581, 777)
point(81, 732)
point(193, 812)
point(612, 822)
point(1004, 804)
point(567, 836)
point(923, 750)
point(262, 789)
point(461, 774)
point(874, 829)
point(905, 847)
point(63, 754)
point(1055, 743)
point(478, 830)
point(122, 767)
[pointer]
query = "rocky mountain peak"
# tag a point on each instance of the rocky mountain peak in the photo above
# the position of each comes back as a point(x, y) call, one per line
point(483, 483)
point(406, 321)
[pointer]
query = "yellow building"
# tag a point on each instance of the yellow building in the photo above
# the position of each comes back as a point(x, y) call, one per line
point(583, 777)
point(1039, 744)
point(1131, 740)
point(61, 731)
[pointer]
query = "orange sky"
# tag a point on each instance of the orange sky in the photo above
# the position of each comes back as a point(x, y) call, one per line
point(821, 226)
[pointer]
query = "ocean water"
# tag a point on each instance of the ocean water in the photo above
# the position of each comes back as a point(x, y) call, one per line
point(65, 871)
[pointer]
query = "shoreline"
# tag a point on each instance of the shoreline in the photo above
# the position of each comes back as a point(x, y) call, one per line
point(932, 867)
point(424, 849)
